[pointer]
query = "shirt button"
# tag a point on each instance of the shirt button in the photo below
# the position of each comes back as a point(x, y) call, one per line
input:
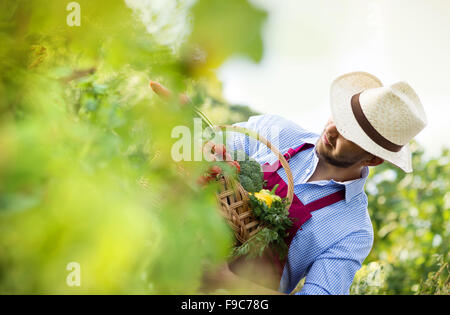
point(307, 170)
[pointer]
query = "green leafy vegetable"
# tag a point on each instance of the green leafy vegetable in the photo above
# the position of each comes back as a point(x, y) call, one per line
point(251, 176)
point(272, 212)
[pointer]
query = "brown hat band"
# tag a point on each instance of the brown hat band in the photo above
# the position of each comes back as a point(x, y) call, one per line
point(370, 131)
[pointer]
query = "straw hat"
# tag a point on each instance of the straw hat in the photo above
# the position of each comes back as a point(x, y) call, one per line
point(380, 119)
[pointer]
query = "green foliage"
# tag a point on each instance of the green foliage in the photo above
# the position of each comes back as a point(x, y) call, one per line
point(251, 176)
point(438, 282)
point(275, 220)
point(370, 279)
point(224, 28)
point(257, 244)
point(410, 215)
point(207, 99)
point(86, 173)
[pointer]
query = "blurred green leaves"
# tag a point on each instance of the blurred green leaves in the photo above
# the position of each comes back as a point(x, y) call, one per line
point(225, 28)
point(86, 173)
point(410, 214)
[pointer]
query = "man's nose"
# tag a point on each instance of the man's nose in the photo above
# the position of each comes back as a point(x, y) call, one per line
point(332, 130)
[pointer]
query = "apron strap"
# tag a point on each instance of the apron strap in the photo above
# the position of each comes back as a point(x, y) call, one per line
point(300, 213)
point(291, 152)
point(267, 168)
point(325, 201)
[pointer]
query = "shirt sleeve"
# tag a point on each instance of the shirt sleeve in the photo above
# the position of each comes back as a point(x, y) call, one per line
point(239, 141)
point(333, 271)
point(282, 133)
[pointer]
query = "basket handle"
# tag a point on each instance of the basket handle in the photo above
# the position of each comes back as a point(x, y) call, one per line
point(284, 163)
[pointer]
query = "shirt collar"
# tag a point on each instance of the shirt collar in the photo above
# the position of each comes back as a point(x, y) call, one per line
point(312, 139)
point(352, 187)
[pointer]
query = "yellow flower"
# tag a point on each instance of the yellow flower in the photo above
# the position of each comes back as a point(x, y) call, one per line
point(266, 198)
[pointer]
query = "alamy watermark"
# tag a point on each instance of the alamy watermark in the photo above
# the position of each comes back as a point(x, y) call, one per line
point(190, 145)
point(74, 17)
point(73, 279)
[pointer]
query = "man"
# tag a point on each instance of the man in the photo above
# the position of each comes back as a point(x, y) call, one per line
point(370, 124)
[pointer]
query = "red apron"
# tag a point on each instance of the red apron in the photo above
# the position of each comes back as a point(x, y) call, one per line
point(299, 213)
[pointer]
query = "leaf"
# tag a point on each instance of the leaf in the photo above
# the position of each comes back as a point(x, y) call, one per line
point(225, 28)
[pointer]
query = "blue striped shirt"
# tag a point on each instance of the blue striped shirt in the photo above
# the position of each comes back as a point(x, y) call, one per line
point(332, 245)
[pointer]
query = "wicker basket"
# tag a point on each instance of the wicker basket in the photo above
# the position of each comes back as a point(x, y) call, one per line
point(233, 198)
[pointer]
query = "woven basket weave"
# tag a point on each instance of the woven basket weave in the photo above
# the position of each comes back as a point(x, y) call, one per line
point(233, 198)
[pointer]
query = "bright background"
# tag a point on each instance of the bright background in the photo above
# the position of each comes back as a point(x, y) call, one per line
point(307, 44)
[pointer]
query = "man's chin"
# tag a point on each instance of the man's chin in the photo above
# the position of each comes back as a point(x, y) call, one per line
point(332, 161)
point(322, 150)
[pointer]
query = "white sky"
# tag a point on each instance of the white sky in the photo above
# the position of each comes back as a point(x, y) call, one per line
point(309, 43)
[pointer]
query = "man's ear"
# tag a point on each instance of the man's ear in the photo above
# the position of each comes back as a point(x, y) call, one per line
point(373, 161)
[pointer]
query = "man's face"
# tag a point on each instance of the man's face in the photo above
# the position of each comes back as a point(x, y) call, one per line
point(337, 150)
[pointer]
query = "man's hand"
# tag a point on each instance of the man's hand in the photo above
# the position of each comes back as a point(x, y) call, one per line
point(212, 153)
